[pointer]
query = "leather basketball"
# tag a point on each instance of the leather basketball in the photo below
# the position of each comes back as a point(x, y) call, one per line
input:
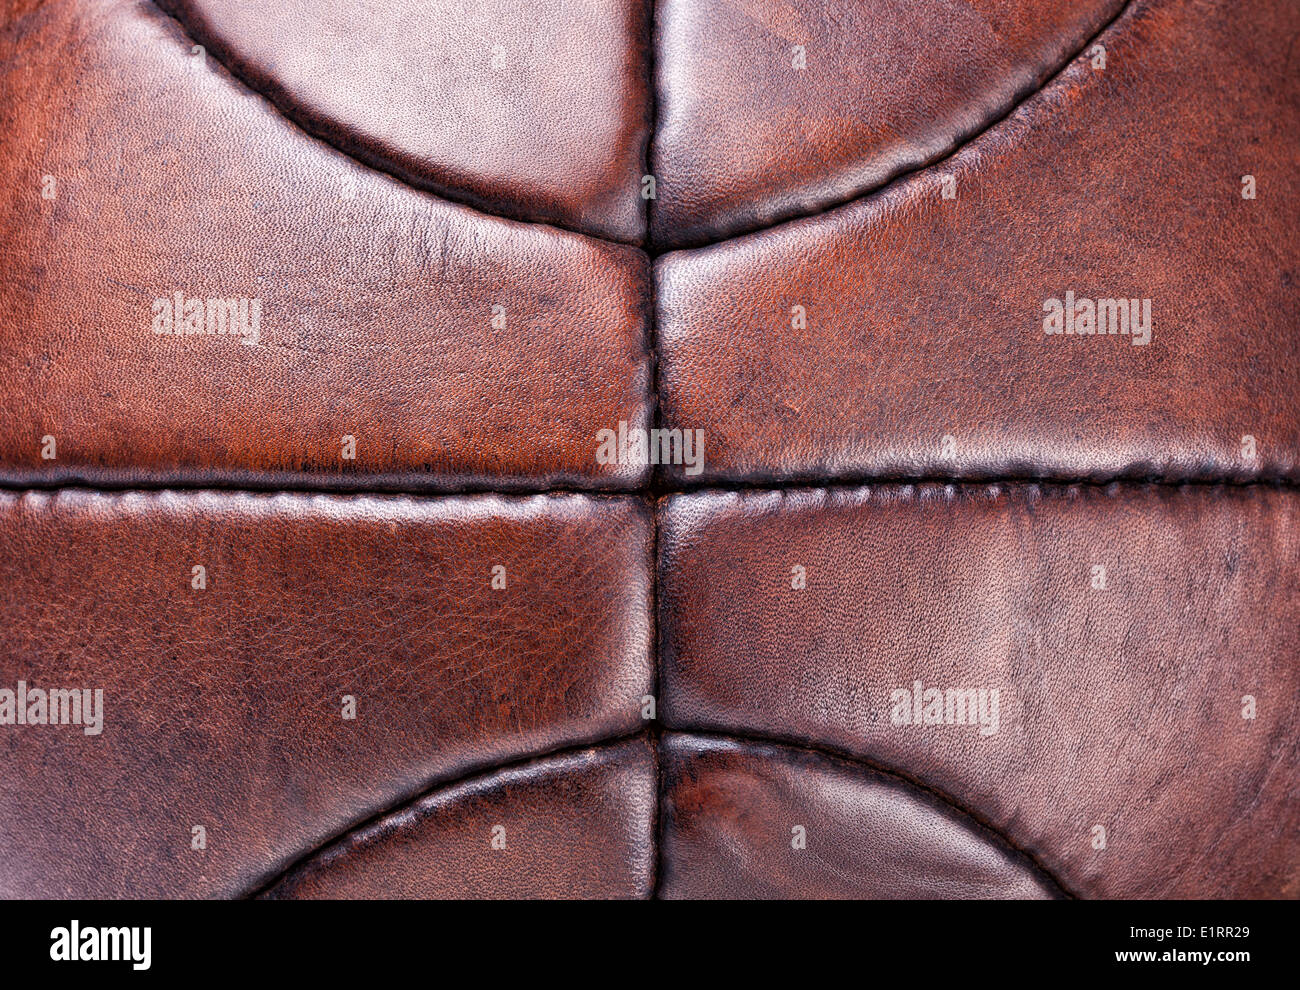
point(628, 449)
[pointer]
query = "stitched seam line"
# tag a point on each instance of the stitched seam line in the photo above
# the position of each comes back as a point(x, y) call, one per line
point(652, 737)
point(656, 415)
point(650, 248)
point(429, 788)
point(832, 753)
point(652, 493)
point(375, 162)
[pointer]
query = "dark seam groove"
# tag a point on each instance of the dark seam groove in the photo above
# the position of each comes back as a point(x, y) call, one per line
point(656, 726)
point(833, 753)
point(825, 752)
point(430, 787)
point(652, 336)
point(651, 494)
point(342, 491)
point(647, 244)
point(375, 163)
point(973, 481)
point(651, 206)
point(903, 174)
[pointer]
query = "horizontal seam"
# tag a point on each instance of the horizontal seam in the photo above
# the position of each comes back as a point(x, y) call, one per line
point(976, 481)
point(432, 492)
point(664, 491)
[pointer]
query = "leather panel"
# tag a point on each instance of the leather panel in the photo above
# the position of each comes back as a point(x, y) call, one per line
point(226, 706)
point(1052, 660)
point(573, 826)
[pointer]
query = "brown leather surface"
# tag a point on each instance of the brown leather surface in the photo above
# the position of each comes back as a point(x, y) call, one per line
point(925, 315)
point(747, 136)
point(539, 111)
point(376, 310)
point(388, 185)
point(573, 826)
point(1120, 707)
point(223, 707)
point(732, 811)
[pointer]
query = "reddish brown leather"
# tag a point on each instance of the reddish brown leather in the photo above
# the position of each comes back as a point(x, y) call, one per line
point(223, 707)
point(925, 318)
point(540, 111)
point(731, 811)
point(377, 310)
point(1119, 707)
point(745, 137)
point(571, 826)
point(381, 186)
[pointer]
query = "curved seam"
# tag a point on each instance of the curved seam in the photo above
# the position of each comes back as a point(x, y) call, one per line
point(906, 173)
point(647, 242)
point(376, 162)
point(426, 789)
point(753, 738)
point(833, 753)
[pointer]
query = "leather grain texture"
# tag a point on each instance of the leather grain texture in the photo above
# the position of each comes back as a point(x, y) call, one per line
point(226, 707)
point(539, 111)
point(311, 319)
point(1122, 693)
point(919, 348)
point(574, 826)
point(377, 302)
point(759, 821)
point(769, 110)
